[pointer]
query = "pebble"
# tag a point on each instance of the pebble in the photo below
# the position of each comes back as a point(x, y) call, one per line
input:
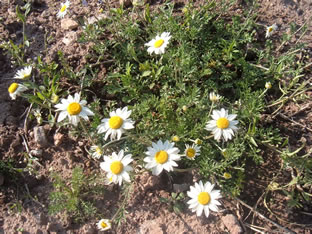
point(69, 24)
point(41, 219)
point(70, 38)
point(58, 138)
point(179, 188)
point(232, 224)
point(40, 136)
point(36, 152)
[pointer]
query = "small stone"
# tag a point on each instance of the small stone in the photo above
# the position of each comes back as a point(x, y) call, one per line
point(58, 138)
point(41, 219)
point(151, 227)
point(69, 24)
point(36, 152)
point(89, 229)
point(232, 224)
point(179, 188)
point(40, 136)
point(70, 38)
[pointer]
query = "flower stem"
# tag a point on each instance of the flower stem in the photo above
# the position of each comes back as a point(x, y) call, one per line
point(85, 129)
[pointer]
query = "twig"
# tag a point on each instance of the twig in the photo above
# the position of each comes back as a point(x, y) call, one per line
point(294, 34)
point(301, 110)
point(286, 230)
point(294, 122)
point(32, 198)
point(259, 66)
point(252, 227)
point(28, 151)
point(26, 118)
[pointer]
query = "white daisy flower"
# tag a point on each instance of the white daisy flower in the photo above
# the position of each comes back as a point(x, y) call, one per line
point(192, 151)
point(62, 12)
point(116, 167)
point(270, 30)
point(104, 224)
point(214, 97)
point(161, 156)
point(222, 125)
point(73, 108)
point(203, 198)
point(23, 73)
point(97, 151)
point(116, 124)
point(16, 89)
point(158, 44)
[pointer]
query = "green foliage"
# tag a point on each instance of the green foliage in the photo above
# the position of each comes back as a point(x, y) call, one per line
point(175, 202)
point(168, 94)
point(72, 198)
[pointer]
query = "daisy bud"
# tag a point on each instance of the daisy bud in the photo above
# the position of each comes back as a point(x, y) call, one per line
point(175, 138)
point(227, 175)
point(268, 85)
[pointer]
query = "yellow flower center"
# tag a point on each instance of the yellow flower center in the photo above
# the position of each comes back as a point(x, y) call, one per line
point(223, 123)
point(63, 8)
point(74, 108)
point(161, 157)
point(203, 198)
point(270, 29)
point(115, 122)
point(13, 87)
point(103, 224)
point(116, 167)
point(159, 43)
point(190, 152)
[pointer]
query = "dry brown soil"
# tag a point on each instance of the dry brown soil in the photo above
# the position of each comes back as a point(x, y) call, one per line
point(24, 203)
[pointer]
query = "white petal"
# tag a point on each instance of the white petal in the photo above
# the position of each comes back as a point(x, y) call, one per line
point(213, 207)
point(62, 116)
point(206, 209)
point(199, 210)
point(126, 176)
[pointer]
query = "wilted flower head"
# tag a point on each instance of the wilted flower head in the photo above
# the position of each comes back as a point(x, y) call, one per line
point(96, 151)
point(23, 73)
point(104, 224)
point(214, 97)
point(62, 12)
point(270, 30)
point(16, 89)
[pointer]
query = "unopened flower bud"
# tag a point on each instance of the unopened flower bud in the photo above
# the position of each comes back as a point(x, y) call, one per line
point(268, 85)
point(175, 138)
